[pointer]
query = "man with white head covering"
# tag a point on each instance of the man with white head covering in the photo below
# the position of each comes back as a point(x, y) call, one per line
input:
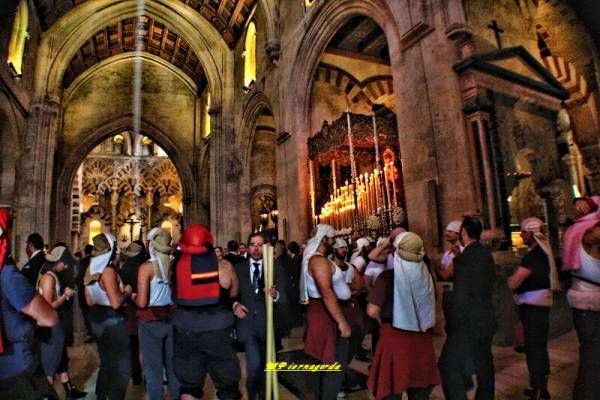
point(359, 256)
point(446, 267)
point(354, 313)
point(155, 302)
point(327, 330)
point(445, 271)
point(533, 282)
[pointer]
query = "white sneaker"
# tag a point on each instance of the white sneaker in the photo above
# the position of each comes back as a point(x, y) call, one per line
point(341, 395)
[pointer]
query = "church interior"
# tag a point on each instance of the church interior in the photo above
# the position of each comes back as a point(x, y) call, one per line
point(277, 115)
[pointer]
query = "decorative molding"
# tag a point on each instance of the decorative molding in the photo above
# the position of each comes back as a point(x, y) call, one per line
point(415, 34)
point(484, 63)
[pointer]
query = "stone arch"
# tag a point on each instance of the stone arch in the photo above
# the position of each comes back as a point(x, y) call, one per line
point(256, 107)
point(145, 57)
point(9, 152)
point(371, 89)
point(325, 22)
point(66, 36)
point(69, 168)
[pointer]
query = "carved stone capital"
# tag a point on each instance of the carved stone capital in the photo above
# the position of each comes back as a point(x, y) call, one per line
point(273, 49)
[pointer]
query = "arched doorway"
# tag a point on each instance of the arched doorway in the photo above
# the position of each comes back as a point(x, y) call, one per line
point(126, 191)
point(354, 159)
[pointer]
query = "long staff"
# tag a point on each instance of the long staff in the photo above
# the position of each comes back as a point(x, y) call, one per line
point(271, 381)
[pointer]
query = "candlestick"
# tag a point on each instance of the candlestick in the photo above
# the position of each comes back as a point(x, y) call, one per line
point(351, 146)
point(376, 140)
point(392, 175)
point(385, 183)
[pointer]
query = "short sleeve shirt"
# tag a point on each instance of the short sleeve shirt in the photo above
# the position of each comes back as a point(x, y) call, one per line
point(15, 294)
point(382, 294)
point(537, 262)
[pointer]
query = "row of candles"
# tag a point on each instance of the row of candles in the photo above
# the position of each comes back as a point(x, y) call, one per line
point(368, 195)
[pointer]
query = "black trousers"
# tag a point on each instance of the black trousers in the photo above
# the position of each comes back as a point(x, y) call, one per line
point(535, 321)
point(458, 347)
point(212, 352)
point(326, 385)
point(587, 325)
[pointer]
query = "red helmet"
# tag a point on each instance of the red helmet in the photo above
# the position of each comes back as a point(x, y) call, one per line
point(196, 239)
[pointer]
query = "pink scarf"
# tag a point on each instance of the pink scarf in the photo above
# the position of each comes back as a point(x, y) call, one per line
point(574, 235)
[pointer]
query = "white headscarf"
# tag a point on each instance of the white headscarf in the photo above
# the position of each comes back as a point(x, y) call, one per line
point(454, 226)
point(414, 292)
point(162, 258)
point(310, 250)
point(99, 263)
point(361, 243)
point(534, 225)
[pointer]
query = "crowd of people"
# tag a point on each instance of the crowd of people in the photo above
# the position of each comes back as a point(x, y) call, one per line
point(179, 311)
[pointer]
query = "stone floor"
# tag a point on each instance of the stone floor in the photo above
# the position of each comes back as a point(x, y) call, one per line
point(511, 371)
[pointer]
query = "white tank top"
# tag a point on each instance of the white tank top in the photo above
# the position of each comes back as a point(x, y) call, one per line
point(340, 286)
point(56, 284)
point(98, 295)
point(160, 288)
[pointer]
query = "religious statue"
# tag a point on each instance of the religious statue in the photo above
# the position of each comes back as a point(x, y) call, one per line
point(525, 201)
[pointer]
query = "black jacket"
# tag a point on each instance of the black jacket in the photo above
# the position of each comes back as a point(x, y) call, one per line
point(471, 308)
point(256, 310)
point(33, 266)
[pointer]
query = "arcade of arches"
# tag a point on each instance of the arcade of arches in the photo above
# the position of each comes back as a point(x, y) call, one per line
point(250, 101)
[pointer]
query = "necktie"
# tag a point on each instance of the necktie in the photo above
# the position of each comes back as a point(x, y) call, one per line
point(256, 280)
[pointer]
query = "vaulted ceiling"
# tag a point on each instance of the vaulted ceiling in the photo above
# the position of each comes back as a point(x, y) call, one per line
point(229, 17)
point(361, 37)
point(139, 33)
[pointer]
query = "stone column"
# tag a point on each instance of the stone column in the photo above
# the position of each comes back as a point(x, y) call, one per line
point(36, 178)
point(225, 171)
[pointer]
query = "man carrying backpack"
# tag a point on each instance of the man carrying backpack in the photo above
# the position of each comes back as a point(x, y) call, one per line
point(203, 320)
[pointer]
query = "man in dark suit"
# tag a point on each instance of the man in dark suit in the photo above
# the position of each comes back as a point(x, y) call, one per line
point(34, 248)
point(251, 313)
point(232, 255)
point(471, 322)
